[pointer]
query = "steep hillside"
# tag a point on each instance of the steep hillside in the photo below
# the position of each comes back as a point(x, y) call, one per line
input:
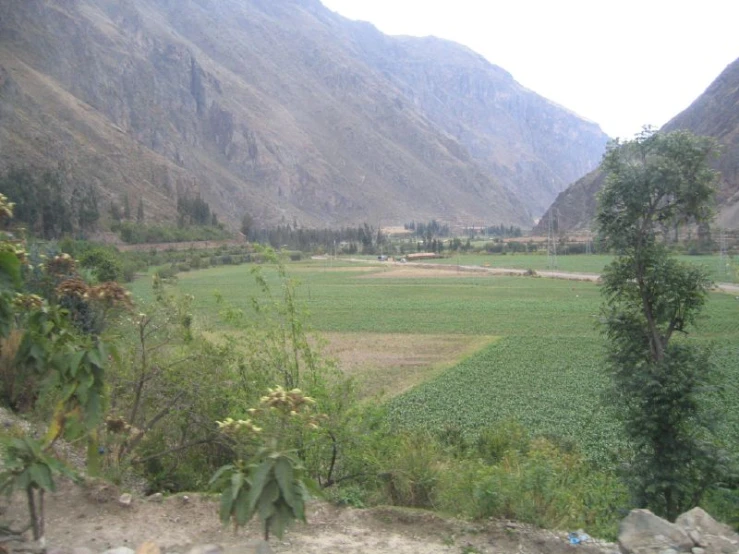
point(715, 113)
point(276, 107)
point(531, 145)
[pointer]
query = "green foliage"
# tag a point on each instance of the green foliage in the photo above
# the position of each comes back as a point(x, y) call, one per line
point(546, 486)
point(273, 489)
point(272, 484)
point(140, 212)
point(48, 205)
point(137, 233)
point(103, 263)
point(545, 372)
point(27, 468)
point(660, 385)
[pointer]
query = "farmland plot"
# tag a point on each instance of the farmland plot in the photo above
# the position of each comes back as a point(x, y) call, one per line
point(545, 371)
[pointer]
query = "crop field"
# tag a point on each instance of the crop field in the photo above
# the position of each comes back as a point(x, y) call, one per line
point(488, 348)
point(584, 263)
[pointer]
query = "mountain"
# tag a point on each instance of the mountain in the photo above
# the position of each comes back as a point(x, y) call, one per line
point(716, 114)
point(279, 108)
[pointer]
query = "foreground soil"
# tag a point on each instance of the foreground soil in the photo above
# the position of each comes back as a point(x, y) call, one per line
point(92, 517)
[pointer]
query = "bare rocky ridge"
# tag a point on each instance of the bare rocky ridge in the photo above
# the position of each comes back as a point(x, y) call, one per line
point(716, 114)
point(278, 107)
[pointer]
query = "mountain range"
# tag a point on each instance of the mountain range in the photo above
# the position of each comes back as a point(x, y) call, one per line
point(715, 113)
point(277, 108)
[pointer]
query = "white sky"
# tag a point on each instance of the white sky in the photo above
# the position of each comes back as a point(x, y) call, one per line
point(620, 63)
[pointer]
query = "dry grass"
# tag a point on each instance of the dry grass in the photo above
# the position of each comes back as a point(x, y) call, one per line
point(391, 364)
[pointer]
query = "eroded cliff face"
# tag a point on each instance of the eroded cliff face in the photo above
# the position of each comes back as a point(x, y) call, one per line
point(716, 114)
point(276, 107)
point(531, 145)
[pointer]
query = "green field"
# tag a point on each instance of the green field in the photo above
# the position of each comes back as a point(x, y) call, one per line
point(582, 264)
point(544, 371)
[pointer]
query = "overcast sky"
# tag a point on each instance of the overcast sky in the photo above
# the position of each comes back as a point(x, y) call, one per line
point(620, 63)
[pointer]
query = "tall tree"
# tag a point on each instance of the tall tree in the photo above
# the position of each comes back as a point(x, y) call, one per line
point(126, 207)
point(658, 382)
point(140, 212)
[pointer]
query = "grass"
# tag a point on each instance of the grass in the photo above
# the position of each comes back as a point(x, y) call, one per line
point(544, 371)
point(578, 264)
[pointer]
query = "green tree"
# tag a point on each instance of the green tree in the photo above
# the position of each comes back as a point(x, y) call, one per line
point(247, 224)
point(659, 383)
point(140, 211)
point(126, 207)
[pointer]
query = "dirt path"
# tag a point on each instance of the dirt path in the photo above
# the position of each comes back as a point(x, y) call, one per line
point(461, 270)
point(92, 518)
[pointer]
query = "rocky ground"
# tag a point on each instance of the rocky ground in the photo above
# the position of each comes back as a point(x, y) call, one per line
point(92, 517)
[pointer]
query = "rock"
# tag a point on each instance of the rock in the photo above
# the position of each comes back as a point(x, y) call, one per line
point(148, 547)
point(695, 536)
point(156, 497)
point(81, 550)
point(698, 550)
point(642, 532)
point(206, 549)
point(125, 500)
point(120, 550)
point(707, 533)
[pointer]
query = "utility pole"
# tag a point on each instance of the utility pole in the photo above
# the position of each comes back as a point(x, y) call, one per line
point(551, 244)
point(724, 263)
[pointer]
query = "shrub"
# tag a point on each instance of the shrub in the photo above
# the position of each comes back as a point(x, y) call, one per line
point(104, 265)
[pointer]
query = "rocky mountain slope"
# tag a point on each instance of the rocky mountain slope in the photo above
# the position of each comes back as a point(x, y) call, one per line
point(715, 113)
point(276, 107)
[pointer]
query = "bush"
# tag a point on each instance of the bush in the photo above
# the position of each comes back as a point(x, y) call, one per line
point(104, 265)
point(166, 272)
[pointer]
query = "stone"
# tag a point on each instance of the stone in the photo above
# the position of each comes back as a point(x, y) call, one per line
point(642, 532)
point(713, 537)
point(695, 536)
point(698, 550)
point(120, 550)
point(81, 550)
point(156, 497)
point(126, 499)
point(206, 549)
point(148, 547)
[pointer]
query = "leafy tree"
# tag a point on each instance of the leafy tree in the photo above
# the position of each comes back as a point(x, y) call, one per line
point(659, 383)
point(140, 211)
point(247, 224)
point(126, 207)
point(115, 212)
point(88, 213)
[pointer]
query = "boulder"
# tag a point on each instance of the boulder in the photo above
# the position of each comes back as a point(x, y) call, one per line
point(707, 533)
point(642, 532)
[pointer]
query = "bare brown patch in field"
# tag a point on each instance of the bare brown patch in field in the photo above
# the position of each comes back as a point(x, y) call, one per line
point(391, 364)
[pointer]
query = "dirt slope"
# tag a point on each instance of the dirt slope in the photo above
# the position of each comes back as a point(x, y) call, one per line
point(92, 518)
